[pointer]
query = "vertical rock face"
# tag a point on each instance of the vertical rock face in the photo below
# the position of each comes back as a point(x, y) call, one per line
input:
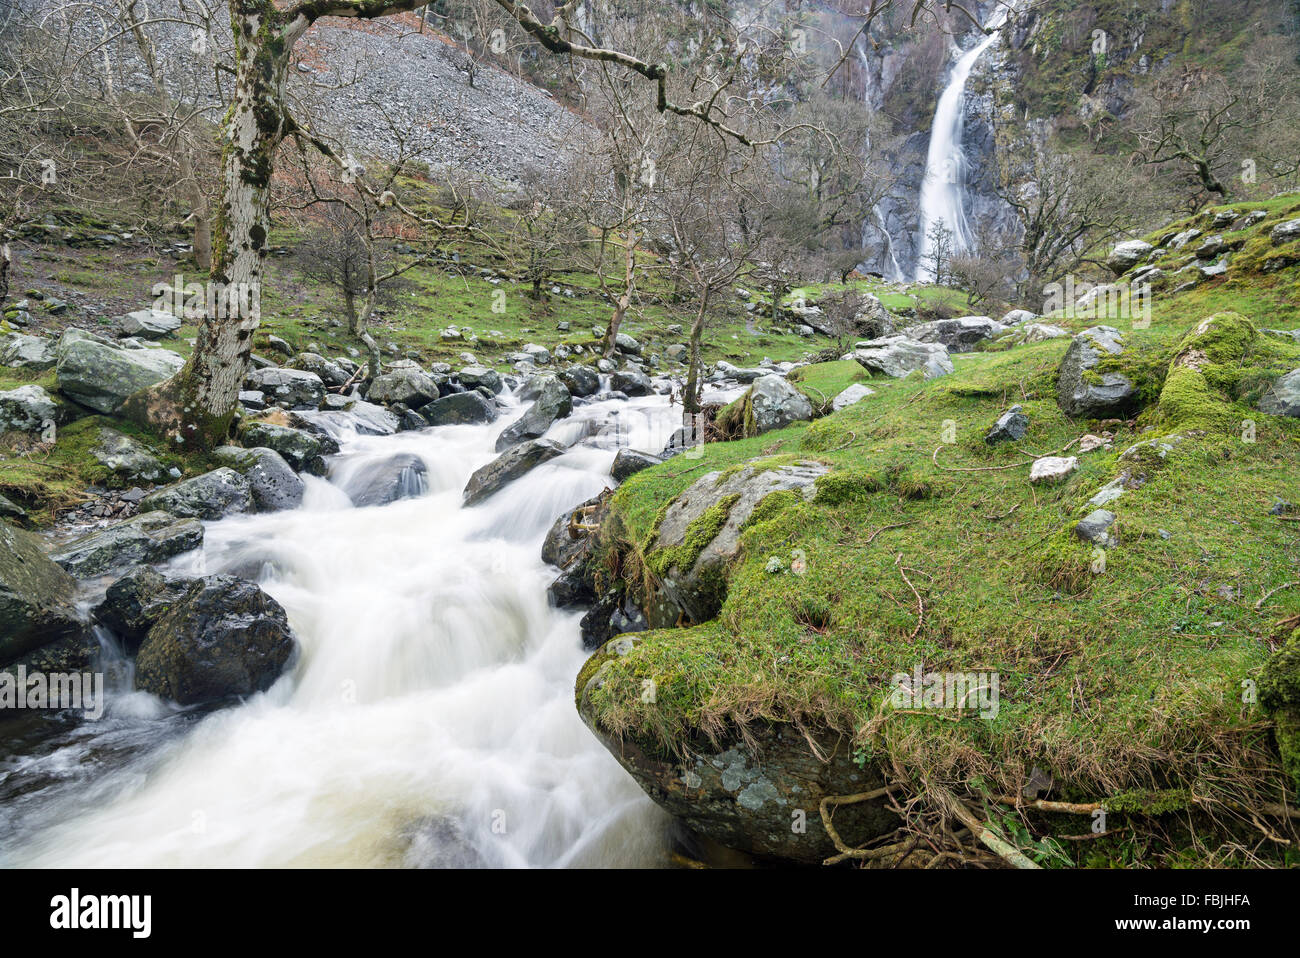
point(36, 596)
point(759, 795)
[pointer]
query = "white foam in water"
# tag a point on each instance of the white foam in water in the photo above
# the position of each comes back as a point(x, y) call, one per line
point(429, 719)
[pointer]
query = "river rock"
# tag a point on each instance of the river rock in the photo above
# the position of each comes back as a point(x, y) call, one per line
point(148, 538)
point(133, 603)
point(775, 403)
point(101, 375)
point(222, 637)
point(213, 495)
point(508, 467)
point(581, 380)
point(460, 409)
point(329, 372)
point(36, 596)
point(304, 451)
point(410, 387)
point(630, 382)
point(474, 376)
point(27, 409)
point(744, 792)
point(899, 356)
point(725, 370)
point(698, 590)
point(148, 324)
point(1077, 392)
point(291, 388)
point(400, 476)
point(960, 335)
point(553, 402)
point(628, 462)
point(1283, 397)
point(626, 344)
point(27, 352)
point(271, 480)
point(1010, 427)
point(1127, 255)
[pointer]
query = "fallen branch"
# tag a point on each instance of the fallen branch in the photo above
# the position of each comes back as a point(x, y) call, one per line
point(999, 846)
point(920, 605)
point(1267, 595)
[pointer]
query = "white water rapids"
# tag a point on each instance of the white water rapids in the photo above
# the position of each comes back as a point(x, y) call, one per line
point(429, 719)
point(943, 190)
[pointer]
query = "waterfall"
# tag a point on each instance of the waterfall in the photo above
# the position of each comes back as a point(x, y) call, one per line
point(944, 187)
point(893, 272)
point(429, 717)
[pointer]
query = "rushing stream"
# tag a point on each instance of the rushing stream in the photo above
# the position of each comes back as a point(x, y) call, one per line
point(429, 719)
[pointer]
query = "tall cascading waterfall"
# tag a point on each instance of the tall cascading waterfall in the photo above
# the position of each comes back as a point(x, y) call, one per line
point(943, 191)
point(429, 717)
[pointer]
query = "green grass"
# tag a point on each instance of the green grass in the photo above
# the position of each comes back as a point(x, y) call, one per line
point(1128, 677)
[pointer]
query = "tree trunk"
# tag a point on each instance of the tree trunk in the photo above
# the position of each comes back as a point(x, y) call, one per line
point(691, 399)
point(625, 298)
point(196, 406)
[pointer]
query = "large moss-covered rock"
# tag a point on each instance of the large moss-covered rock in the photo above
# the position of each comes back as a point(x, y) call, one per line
point(775, 403)
point(759, 793)
point(304, 451)
point(271, 480)
point(700, 532)
point(102, 374)
point(222, 637)
point(127, 459)
point(1279, 693)
point(36, 596)
point(1082, 391)
point(27, 409)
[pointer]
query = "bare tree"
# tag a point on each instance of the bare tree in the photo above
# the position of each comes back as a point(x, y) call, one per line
point(938, 256)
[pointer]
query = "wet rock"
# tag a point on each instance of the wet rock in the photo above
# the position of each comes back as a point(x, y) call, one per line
point(581, 380)
point(1010, 427)
point(149, 538)
point(1083, 393)
point(630, 382)
point(899, 356)
point(271, 480)
point(409, 386)
point(133, 603)
point(101, 375)
point(213, 495)
point(628, 462)
point(508, 467)
point(474, 376)
point(148, 324)
point(460, 409)
point(553, 402)
point(291, 388)
point(36, 596)
point(127, 458)
point(775, 403)
point(222, 637)
point(401, 476)
point(304, 451)
point(27, 409)
point(614, 613)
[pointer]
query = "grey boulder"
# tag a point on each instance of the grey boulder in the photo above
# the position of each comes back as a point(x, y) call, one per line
point(101, 375)
point(1082, 393)
point(508, 467)
point(36, 596)
point(27, 409)
point(553, 402)
point(213, 495)
point(775, 404)
point(150, 538)
point(271, 480)
point(899, 356)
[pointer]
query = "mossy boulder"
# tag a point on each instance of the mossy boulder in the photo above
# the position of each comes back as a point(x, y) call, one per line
point(36, 596)
point(101, 375)
point(1083, 391)
point(1279, 693)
